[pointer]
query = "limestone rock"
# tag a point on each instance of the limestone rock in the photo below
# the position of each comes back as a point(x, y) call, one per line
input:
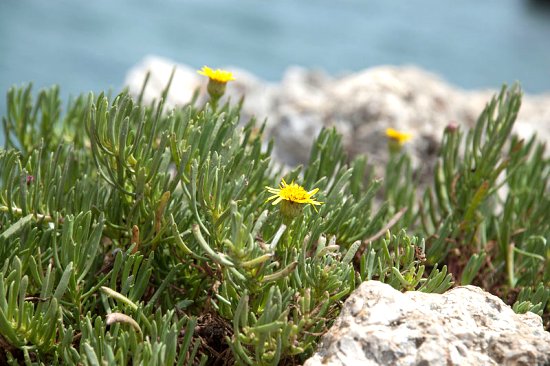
point(379, 325)
point(185, 82)
point(360, 105)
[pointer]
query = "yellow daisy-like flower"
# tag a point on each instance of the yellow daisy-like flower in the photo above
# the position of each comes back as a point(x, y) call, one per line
point(398, 136)
point(217, 80)
point(221, 76)
point(292, 196)
point(292, 192)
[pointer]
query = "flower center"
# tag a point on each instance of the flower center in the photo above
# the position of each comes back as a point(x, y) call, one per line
point(294, 193)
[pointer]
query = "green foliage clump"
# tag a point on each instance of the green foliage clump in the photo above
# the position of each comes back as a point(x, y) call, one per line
point(490, 217)
point(487, 213)
point(133, 234)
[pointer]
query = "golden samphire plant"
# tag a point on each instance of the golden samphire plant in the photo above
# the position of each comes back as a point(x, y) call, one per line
point(134, 234)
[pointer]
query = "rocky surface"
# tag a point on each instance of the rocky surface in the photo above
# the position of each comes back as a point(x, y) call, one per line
point(379, 325)
point(361, 106)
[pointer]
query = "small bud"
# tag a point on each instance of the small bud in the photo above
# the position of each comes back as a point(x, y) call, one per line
point(135, 238)
point(451, 127)
point(30, 180)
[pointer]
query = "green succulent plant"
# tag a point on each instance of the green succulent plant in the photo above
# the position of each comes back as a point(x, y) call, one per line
point(135, 234)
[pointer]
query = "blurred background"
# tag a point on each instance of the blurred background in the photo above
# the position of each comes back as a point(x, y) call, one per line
point(90, 45)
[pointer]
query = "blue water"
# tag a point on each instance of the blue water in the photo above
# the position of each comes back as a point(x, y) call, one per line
point(89, 45)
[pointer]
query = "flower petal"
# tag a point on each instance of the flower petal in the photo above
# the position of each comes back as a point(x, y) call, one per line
point(279, 199)
point(313, 191)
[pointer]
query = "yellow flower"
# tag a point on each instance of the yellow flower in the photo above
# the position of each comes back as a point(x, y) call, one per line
point(292, 196)
point(221, 76)
point(217, 80)
point(398, 136)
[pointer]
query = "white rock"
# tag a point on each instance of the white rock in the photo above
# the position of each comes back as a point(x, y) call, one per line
point(185, 82)
point(379, 325)
point(360, 105)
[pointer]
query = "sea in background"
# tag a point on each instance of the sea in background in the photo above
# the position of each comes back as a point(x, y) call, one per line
point(90, 45)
